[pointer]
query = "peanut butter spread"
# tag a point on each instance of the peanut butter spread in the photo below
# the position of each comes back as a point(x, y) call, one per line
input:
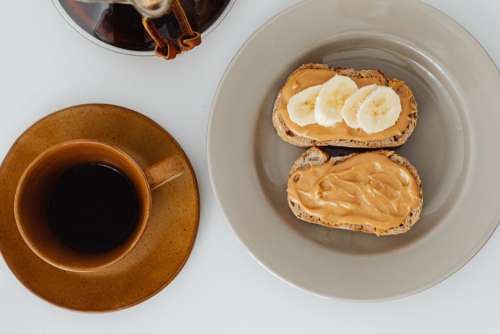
point(366, 189)
point(306, 78)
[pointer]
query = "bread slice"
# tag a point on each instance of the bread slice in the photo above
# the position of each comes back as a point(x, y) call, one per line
point(315, 156)
point(377, 76)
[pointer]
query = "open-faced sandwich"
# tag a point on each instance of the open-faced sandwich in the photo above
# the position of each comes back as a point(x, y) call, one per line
point(376, 192)
point(323, 106)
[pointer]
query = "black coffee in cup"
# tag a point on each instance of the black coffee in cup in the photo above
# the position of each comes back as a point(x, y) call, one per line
point(92, 207)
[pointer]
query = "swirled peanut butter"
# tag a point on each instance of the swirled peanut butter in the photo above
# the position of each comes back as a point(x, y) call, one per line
point(367, 189)
point(308, 77)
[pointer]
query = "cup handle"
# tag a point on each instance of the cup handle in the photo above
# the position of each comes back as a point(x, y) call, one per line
point(164, 171)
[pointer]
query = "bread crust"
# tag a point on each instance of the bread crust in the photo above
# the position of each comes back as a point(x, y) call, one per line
point(315, 156)
point(293, 138)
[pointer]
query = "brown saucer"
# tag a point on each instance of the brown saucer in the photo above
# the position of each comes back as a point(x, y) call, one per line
point(167, 241)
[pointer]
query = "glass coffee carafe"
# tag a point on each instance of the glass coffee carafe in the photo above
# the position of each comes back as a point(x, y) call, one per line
point(167, 27)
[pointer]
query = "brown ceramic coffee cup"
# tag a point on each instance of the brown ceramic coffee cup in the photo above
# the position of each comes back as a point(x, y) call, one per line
point(35, 183)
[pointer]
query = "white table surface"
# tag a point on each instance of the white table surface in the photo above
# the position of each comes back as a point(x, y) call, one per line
point(46, 66)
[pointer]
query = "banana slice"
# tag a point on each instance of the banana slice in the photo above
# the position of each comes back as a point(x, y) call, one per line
point(380, 110)
point(349, 111)
point(301, 106)
point(331, 99)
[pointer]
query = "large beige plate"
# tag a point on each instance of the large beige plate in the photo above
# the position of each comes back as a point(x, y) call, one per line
point(456, 85)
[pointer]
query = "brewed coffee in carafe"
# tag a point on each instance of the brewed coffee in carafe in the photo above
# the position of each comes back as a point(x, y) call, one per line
point(120, 25)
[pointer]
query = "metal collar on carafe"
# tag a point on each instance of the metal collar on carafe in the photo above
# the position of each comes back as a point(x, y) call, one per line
point(148, 8)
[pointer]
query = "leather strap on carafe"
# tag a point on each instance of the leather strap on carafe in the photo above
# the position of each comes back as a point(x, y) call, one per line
point(189, 38)
point(166, 47)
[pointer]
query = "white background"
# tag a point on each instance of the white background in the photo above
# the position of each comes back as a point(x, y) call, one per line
point(45, 66)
